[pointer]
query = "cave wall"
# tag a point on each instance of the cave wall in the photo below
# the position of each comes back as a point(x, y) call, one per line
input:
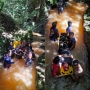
point(87, 35)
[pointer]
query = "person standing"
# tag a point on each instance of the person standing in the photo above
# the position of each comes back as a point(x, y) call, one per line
point(69, 28)
point(7, 60)
point(30, 56)
point(54, 32)
point(60, 6)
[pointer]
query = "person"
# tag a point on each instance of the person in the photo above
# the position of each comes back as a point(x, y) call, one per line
point(11, 49)
point(65, 56)
point(72, 41)
point(63, 48)
point(18, 52)
point(23, 45)
point(78, 70)
point(60, 6)
point(63, 43)
point(30, 56)
point(54, 32)
point(69, 28)
point(7, 60)
point(29, 46)
point(56, 67)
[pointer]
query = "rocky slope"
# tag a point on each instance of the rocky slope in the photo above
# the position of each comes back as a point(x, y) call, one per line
point(87, 33)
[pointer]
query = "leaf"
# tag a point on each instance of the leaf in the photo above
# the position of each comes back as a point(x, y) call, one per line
point(53, 2)
point(1, 5)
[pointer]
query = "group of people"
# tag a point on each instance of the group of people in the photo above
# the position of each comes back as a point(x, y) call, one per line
point(24, 49)
point(64, 59)
point(54, 35)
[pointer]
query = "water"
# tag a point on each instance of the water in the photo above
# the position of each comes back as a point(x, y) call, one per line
point(73, 12)
point(19, 77)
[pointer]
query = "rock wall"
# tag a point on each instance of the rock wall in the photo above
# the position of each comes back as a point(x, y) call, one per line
point(87, 35)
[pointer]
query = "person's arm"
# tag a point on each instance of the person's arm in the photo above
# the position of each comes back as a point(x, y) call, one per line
point(4, 57)
point(16, 52)
point(10, 62)
point(20, 50)
point(56, 76)
point(73, 44)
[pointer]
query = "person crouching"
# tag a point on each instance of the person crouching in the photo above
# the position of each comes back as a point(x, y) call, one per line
point(78, 70)
point(56, 67)
point(72, 41)
point(30, 56)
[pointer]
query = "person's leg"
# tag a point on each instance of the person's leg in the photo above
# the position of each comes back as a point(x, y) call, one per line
point(53, 38)
point(4, 64)
point(58, 11)
point(9, 65)
point(13, 54)
point(28, 62)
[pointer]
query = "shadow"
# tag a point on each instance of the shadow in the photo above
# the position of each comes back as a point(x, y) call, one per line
point(7, 22)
